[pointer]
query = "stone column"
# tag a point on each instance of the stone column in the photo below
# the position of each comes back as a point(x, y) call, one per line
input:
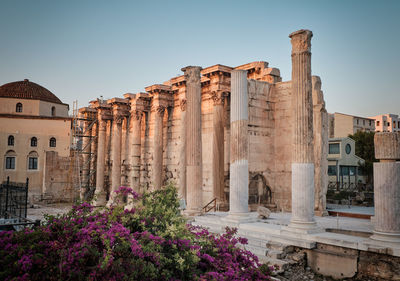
point(386, 221)
point(158, 112)
point(182, 153)
point(125, 181)
point(303, 154)
point(218, 145)
point(116, 152)
point(239, 152)
point(100, 193)
point(194, 176)
point(93, 155)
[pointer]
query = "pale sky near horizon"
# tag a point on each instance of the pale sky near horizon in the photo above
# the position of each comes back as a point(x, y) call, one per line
point(80, 50)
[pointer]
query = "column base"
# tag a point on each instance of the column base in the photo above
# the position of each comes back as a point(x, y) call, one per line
point(386, 237)
point(239, 218)
point(302, 227)
point(99, 200)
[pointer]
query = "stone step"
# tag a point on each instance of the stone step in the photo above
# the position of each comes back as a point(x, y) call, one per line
point(275, 254)
point(258, 251)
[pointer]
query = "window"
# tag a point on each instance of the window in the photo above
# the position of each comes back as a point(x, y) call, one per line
point(52, 142)
point(10, 163)
point(33, 141)
point(344, 170)
point(377, 123)
point(398, 124)
point(33, 160)
point(394, 124)
point(11, 140)
point(18, 107)
point(370, 123)
point(334, 148)
point(10, 160)
point(32, 163)
point(363, 122)
point(357, 121)
point(352, 171)
point(331, 170)
point(348, 148)
point(53, 111)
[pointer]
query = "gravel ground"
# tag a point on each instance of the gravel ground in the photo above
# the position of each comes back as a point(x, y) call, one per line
point(39, 210)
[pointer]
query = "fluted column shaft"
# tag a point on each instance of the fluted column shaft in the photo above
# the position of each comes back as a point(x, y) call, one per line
point(115, 155)
point(239, 154)
point(93, 155)
point(100, 193)
point(182, 153)
point(135, 137)
point(303, 154)
point(218, 145)
point(158, 112)
point(194, 177)
point(387, 188)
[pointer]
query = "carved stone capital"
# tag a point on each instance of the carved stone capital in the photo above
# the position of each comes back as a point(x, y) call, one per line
point(137, 114)
point(118, 118)
point(159, 109)
point(218, 97)
point(301, 41)
point(192, 74)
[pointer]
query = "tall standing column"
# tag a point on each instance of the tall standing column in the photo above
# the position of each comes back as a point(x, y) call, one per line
point(194, 177)
point(386, 221)
point(100, 193)
point(303, 154)
point(218, 145)
point(158, 112)
point(182, 153)
point(239, 152)
point(115, 152)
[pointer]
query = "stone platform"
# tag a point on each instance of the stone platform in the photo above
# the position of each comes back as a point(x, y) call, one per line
point(269, 239)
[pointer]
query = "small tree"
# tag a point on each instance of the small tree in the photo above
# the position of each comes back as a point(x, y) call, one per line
point(366, 150)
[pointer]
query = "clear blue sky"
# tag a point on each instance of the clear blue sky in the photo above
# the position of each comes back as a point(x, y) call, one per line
point(80, 50)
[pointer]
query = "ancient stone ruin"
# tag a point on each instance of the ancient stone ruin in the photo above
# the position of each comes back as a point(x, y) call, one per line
point(186, 130)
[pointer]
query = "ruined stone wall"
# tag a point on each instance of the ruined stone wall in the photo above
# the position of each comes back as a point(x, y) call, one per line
point(57, 177)
point(283, 142)
point(261, 130)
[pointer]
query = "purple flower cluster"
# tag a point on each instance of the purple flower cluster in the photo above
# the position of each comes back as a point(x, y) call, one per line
point(151, 242)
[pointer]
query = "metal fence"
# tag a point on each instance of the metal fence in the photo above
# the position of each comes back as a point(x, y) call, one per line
point(13, 200)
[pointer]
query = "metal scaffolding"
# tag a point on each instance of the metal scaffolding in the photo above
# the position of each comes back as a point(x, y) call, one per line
point(83, 156)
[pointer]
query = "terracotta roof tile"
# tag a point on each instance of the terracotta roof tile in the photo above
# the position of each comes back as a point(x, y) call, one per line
point(27, 90)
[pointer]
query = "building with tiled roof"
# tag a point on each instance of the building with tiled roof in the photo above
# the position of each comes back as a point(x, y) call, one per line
point(35, 133)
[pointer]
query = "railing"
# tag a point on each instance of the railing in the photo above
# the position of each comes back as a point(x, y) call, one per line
point(13, 199)
point(211, 205)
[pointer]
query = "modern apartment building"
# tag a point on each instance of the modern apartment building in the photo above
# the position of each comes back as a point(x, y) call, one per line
point(341, 125)
point(387, 123)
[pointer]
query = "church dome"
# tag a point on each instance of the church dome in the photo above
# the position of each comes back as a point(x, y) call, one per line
point(27, 90)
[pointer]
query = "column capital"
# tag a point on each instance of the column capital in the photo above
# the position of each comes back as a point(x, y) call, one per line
point(301, 41)
point(218, 97)
point(192, 74)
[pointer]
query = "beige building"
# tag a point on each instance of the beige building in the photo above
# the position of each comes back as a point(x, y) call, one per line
point(180, 130)
point(35, 137)
point(387, 123)
point(343, 164)
point(341, 125)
